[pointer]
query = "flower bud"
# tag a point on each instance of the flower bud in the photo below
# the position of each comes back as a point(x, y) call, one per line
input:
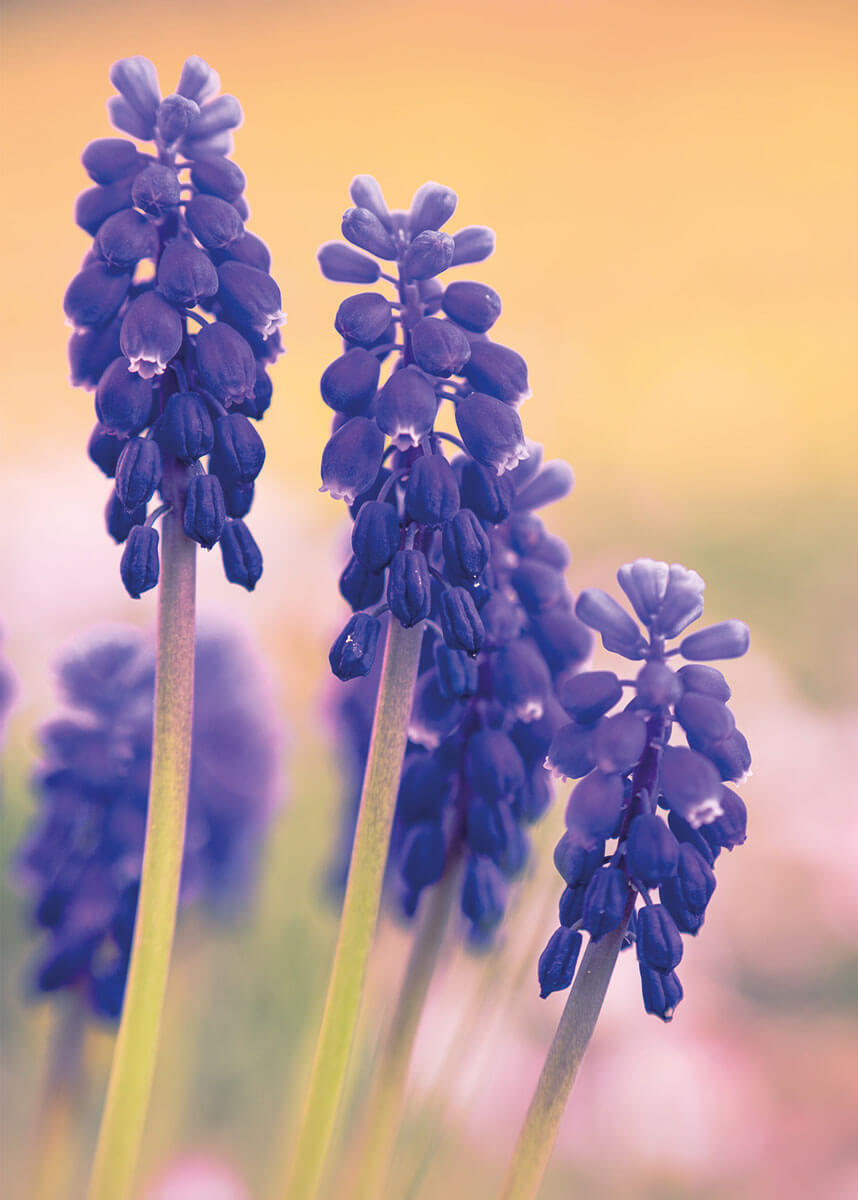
point(577, 859)
point(225, 363)
point(661, 992)
point(473, 244)
point(242, 558)
point(156, 189)
point(491, 431)
point(342, 264)
point(118, 521)
point(730, 829)
point(175, 115)
point(682, 603)
point(571, 754)
point(595, 805)
point(652, 851)
point(619, 632)
point(250, 297)
point(352, 459)
point(363, 318)
point(658, 941)
point(554, 481)
point(690, 785)
point(218, 176)
point(686, 894)
point(493, 766)
point(704, 719)
point(406, 406)
point(474, 306)
point(359, 586)
point(186, 274)
point(439, 347)
point(205, 511)
point(375, 535)
point(460, 621)
point(197, 80)
point(604, 902)
point(237, 498)
point(497, 371)
point(731, 756)
point(95, 295)
point(108, 159)
point(366, 193)
point(431, 207)
point(238, 449)
point(423, 855)
point(563, 640)
point(219, 115)
point(123, 400)
point(432, 493)
point(727, 639)
point(353, 653)
point(429, 254)
point(104, 449)
point(151, 334)
point(139, 566)
point(409, 587)
point(489, 495)
point(520, 680)
point(214, 222)
point(91, 351)
point(465, 545)
point(136, 79)
point(349, 383)
point(588, 696)
point(558, 961)
point(186, 429)
point(657, 686)
point(249, 249)
point(125, 238)
point(364, 229)
point(619, 742)
point(706, 680)
point(483, 894)
point(458, 673)
point(138, 472)
point(96, 204)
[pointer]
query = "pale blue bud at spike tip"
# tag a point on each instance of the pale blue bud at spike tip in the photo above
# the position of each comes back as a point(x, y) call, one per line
point(180, 204)
point(639, 777)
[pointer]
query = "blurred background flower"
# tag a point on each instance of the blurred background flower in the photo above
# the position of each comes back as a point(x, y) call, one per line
point(673, 190)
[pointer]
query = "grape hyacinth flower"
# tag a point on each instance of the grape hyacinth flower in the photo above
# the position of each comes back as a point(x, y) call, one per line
point(631, 773)
point(81, 864)
point(483, 722)
point(450, 561)
point(170, 247)
point(176, 403)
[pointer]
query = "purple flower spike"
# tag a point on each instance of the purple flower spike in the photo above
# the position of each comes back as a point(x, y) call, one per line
point(449, 539)
point(638, 774)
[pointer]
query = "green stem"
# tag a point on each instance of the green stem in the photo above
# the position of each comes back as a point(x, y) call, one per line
point(577, 1023)
point(136, 1047)
point(360, 908)
point(52, 1151)
point(385, 1105)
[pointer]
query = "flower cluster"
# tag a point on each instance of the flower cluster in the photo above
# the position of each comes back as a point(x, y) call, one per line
point(81, 864)
point(169, 246)
point(628, 770)
point(454, 544)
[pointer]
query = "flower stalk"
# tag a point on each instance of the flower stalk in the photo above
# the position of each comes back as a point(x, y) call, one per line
point(560, 1069)
point(134, 1056)
point(360, 909)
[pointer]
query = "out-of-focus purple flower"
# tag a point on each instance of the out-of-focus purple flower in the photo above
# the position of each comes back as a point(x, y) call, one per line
point(80, 865)
point(7, 692)
point(630, 774)
point(158, 380)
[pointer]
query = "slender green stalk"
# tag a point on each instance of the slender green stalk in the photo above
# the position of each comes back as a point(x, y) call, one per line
point(54, 1143)
point(360, 908)
point(384, 1108)
point(577, 1023)
point(136, 1047)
